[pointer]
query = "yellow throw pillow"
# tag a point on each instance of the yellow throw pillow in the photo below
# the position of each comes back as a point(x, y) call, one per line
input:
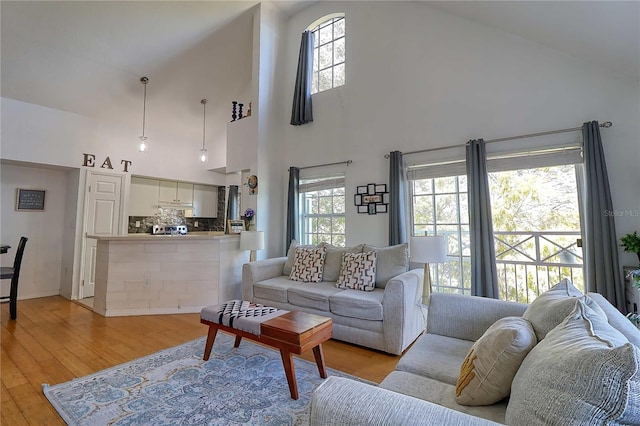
point(493, 361)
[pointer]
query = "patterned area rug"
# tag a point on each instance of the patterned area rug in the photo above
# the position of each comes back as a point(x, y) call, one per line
point(239, 386)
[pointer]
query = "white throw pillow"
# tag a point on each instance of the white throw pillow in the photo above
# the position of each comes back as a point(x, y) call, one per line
point(358, 271)
point(583, 372)
point(493, 360)
point(308, 264)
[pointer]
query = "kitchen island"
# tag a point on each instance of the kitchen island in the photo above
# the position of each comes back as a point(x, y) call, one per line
point(143, 274)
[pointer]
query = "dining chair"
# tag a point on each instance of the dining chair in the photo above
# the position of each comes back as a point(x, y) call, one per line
point(13, 273)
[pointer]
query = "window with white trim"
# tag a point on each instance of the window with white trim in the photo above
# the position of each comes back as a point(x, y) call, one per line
point(322, 210)
point(536, 220)
point(329, 54)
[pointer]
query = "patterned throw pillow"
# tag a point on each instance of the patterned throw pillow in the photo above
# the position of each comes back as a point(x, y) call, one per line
point(493, 361)
point(308, 264)
point(358, 271)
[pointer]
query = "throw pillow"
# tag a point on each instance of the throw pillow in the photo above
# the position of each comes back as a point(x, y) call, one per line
point(552, 307)
point(493, 360)
point(583, 372)
point(391, 261)
point(291, 256)
point(308, 264)
point(358, 271)
point(333, 261)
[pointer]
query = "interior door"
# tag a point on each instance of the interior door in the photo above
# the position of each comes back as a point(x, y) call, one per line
point(102, 217)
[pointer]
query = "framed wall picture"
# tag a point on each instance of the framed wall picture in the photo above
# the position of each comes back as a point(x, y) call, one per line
point(363, 209)
point(235, 226)
point(31, 200)
point(381, 208)
point(382, 187)
point(361, 190)
point(357, 199)
point(371, 208)
point(371, 188)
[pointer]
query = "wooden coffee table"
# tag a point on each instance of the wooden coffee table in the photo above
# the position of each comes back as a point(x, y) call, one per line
point(292, 333)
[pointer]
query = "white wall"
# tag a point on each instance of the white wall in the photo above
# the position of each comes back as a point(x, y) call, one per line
point(420, 78)
point(41, 270)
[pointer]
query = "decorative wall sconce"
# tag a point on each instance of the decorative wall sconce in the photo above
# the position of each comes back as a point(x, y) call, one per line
point(144, 145)
point(204, 156)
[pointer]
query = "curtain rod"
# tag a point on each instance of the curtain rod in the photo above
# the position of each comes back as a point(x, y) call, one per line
point(606, 125)
point(347, 162)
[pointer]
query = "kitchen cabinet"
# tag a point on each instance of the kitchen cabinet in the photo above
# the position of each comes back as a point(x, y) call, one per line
point(205, 201)
point(143, 200)
point(172, 192)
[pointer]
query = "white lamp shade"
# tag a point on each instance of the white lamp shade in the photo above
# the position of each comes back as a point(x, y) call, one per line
point(431, 249)
point(252, 240)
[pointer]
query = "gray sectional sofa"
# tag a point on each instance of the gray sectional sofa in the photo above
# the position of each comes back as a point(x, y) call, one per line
point(388, 318)
point(422, 389)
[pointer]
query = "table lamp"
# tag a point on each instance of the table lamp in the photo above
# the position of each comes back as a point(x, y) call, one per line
point(428, 249)
point(252, 240)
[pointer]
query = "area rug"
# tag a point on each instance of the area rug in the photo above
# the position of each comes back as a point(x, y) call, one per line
point(244, 385)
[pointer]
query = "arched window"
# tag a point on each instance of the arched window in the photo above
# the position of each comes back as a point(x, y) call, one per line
point(328, 52)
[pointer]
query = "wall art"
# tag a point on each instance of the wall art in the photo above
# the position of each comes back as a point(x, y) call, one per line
point(372, 198)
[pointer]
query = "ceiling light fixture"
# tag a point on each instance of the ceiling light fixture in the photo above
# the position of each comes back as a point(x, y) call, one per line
point(144, 145)
point(204, 157)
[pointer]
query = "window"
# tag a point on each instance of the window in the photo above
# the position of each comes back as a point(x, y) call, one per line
point(536, 220)
point(328, 54)
point(323, 210)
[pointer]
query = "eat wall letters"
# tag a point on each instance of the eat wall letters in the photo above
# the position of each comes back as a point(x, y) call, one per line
point(90, 161)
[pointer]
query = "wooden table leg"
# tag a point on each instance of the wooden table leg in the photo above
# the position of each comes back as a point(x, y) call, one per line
point(211, 337)
point(319, 356)
point(237, 342)
point(287, 363)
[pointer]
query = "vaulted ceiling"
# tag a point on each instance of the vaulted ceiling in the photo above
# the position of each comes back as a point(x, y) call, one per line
point(86, 57)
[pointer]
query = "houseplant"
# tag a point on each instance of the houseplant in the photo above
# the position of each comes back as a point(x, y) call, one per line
point(631, 243)
point(248, 217)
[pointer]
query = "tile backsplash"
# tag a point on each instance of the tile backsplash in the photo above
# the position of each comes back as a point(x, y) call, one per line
point(204, 223)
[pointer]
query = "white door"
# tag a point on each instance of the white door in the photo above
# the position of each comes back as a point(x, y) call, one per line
point(102, 217)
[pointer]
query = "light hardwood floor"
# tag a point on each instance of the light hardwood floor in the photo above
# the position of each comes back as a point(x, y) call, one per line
point(55, 340)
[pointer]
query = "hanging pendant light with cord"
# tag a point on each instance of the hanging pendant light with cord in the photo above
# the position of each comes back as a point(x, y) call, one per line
point(144, 145)
point(204, 156)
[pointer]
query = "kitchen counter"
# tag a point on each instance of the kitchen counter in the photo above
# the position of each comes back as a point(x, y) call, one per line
point(144, 274)
point(202, 235)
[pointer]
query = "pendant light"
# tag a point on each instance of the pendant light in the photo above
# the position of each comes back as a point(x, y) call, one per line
point(144, 145)
point(204, 156)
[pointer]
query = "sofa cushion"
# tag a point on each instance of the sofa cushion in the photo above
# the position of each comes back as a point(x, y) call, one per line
point(315, 296)
point(439, 393)
point(583, 372)
point(358, 304)
point(308, 264)
point(358, 271)
point(492, 362)
point(390, 262)
point(274, 289)
point(553, 306)
point(437, 357)
point(333, 261)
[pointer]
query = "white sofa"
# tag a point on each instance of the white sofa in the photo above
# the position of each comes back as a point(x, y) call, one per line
point(388, 318)
point(422, 389)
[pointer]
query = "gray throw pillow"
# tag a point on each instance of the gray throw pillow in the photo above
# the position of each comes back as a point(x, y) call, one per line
point(333, 261)
point(552, 307)
point(390, 262)
point(583, 372)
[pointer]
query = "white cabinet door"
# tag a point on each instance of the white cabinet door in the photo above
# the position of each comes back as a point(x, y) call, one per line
point(143, 200)
point(205, 201)
point(184, 193)
point(173, 192)
point(168, 191)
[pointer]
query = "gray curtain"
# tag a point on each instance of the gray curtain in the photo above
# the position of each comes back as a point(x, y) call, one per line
point(601, 246)
point(233, 203)
point(484, 276)
point(397, 199)
point(302, 112)
point(293, 207)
